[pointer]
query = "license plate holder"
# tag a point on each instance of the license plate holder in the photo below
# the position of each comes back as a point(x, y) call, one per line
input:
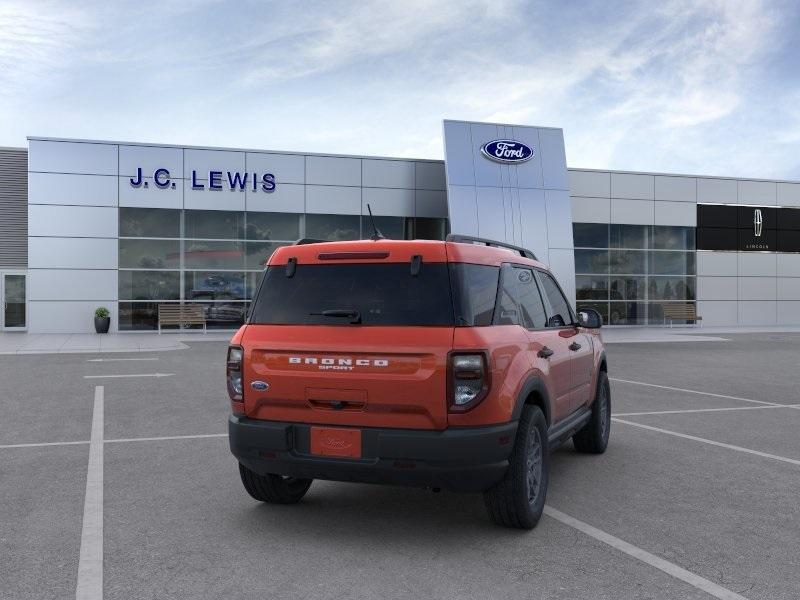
point(335, 441)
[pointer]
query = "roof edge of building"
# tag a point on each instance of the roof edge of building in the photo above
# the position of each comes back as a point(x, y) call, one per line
point(693, 176)
point(228, 149)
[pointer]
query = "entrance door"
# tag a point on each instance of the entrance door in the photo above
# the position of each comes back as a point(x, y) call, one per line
point(12, 291)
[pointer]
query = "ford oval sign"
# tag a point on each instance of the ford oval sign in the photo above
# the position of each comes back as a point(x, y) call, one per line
point(507, 151)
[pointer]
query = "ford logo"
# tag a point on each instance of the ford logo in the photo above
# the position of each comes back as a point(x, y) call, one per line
point(507, 151)
point(260, 385)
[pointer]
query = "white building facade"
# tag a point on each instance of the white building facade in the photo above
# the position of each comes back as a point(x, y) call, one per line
point(130, 226)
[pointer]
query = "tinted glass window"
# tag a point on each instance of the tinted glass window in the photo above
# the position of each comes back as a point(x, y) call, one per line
point(474, 293)
point(590, 235)
point(214, 224)
point(629, 236)
point(429, 228)
point(628, 261)
point(222, 314)
point(673, 238)
point(671, 288)
point(333, 227)
point(560, 314)
point(627, 288)
point(627, 313)
point(149, 285)
point(213, 255)
point(149, 254)
point(590, 287)
point(672, 263)
point(214, 285)
point(149, 222)
point(138, 316)
point(272, 226)
point(530, 300)
point(382, 294)
point(591, 261)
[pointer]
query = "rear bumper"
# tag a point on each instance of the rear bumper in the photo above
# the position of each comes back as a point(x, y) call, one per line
point(462, 459)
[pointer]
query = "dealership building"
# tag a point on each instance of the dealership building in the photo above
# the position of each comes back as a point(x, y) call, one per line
point(133, 227)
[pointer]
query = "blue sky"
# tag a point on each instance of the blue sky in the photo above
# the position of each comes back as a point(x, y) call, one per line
point(706, 87)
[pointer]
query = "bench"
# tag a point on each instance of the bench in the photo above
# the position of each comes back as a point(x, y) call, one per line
point(681, 312)
point(181, 314)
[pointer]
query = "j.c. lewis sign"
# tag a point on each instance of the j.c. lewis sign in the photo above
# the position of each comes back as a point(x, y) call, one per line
point(212, 180)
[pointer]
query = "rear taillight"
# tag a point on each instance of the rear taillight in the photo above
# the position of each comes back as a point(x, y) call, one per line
point(468, 380)
point(234, 373)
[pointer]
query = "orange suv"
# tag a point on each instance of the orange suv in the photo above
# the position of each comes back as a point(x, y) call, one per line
point(456, 365)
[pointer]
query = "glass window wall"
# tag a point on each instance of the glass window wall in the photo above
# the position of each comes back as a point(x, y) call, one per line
point(628, 272)
point(216, 258)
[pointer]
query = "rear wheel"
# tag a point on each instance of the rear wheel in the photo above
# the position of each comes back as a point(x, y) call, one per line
point(518, 499)
point(593, 438)
point(275, 489)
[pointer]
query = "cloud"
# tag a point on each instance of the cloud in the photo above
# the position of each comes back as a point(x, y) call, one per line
point(314, 42)
point(676, 85)
point(37, 40)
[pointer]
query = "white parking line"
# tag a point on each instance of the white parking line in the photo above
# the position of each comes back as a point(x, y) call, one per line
point(169, 437)
point(704, 410)
point(700, 583)
point(686, 436)
point(40, 444)
point(677, 389)
point(90, 564)
point(118, 359)
point(117, 440)
point(128, 375)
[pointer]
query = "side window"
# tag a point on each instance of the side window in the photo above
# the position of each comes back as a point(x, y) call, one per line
point(508, 310)
point(561, 314)
point(530, 300)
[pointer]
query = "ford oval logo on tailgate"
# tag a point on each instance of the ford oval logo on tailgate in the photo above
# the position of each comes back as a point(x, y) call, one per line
point(507, 151)
point(260, 385)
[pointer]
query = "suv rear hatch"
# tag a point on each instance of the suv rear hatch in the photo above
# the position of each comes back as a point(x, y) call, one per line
point(351, 338)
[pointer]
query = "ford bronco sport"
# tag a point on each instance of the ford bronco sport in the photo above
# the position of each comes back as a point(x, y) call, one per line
point(454, 365)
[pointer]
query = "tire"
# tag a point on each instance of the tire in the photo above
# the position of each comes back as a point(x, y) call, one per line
point(518, 499)
point(274, 489)
point(593, 438)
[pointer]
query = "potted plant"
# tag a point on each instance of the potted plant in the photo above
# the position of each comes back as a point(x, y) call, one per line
point(101, 320)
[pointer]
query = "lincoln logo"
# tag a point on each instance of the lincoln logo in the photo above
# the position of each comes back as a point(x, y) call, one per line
point(758, 221)
point(507, 151)
point(337, 364)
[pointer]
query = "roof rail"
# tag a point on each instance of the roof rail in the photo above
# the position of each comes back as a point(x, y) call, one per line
point(304, 241)
point(468, 239)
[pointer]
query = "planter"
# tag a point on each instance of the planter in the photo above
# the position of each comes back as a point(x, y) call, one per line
point(101, 324)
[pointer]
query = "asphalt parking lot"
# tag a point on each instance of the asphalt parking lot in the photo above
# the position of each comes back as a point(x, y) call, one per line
point(696, 497)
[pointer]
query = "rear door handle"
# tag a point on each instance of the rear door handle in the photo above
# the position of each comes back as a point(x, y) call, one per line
point(574, 346)
point(545, 352)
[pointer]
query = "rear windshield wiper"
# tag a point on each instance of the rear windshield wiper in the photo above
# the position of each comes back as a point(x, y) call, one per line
point(353, 315)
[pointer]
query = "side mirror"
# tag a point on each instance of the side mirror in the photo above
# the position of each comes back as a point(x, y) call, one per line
point(590, 319)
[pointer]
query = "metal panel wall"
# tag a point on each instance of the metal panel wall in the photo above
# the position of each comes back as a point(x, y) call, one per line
point(525, 203)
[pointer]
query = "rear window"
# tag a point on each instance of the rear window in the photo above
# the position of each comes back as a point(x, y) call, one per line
point(474, 293)
point(381, 294)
